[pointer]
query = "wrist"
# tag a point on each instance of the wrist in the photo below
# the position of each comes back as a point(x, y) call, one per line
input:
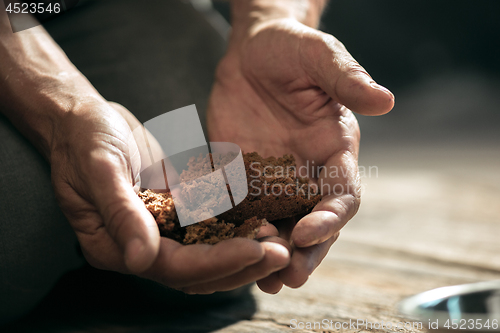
point(39, 86)
point(248, 14)
point(37, 107)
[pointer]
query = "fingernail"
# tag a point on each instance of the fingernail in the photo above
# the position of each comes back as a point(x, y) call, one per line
point(379, 87)
point(305, 240)
point(134, 250)
point(279, 248)
point(283, 252)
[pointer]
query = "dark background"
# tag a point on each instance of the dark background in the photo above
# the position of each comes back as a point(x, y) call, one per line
point(400, 42)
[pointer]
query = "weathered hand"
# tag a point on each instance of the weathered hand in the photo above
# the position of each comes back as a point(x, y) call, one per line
point(286, 88)
point(95, 171)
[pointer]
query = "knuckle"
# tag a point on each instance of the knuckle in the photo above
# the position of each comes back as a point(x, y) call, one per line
point(332, 42)
point(115, 216)
point(117, 106)
point(353, 68)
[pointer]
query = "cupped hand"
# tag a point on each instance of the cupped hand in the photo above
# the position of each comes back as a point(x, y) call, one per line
point(286, 88)
point(95, 165)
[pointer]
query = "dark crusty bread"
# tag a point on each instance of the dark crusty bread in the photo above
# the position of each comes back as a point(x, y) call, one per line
point(161, 206)
point(274, 192)
point(211, 231)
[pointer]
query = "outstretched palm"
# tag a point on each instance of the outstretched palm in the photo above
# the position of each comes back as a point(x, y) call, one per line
point(286, 88)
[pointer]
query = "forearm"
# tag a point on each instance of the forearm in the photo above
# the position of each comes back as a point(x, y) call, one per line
point(38, 84)
point(246, 13)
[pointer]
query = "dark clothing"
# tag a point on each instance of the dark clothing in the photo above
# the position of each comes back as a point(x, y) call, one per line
point(150, 56)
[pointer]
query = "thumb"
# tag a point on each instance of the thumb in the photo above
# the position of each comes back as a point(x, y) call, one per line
point(333, 69)
point(127, 221)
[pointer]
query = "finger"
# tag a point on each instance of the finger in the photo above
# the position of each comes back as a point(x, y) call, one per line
point(271, 284)
point(180, 266)
point(278, 240)
point(267, 230)
point(276, 257)
point(333, 69)
point(304, 262)
point(340, 202)
point(148, 146)
point(126, 219)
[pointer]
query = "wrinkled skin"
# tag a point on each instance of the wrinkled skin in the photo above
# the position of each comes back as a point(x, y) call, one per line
point(287, 88)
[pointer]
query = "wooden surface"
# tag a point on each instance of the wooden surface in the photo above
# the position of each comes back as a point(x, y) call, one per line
point(429, 218)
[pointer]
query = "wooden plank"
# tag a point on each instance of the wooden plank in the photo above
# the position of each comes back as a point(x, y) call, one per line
point(430, 219)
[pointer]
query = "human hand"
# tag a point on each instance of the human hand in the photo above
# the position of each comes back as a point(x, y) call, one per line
point(95, 166)
point(286, 88)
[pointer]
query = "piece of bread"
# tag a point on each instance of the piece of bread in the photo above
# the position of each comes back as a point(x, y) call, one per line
point(161, 206)
point(274, 192)
point(211, 231)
